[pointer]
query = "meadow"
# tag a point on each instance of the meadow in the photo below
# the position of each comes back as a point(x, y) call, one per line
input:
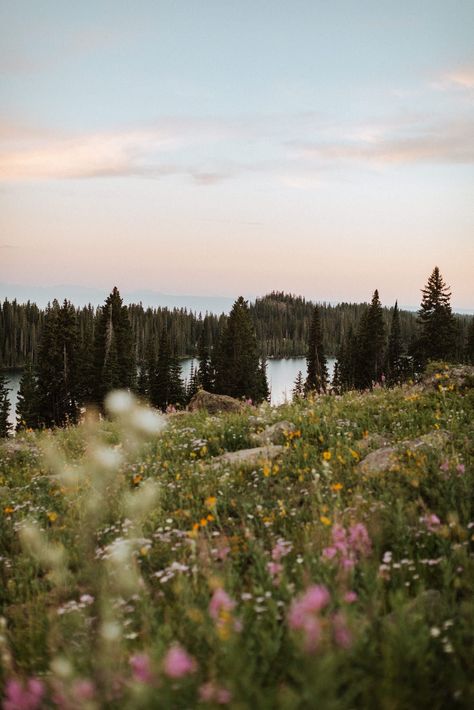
point(136, 572)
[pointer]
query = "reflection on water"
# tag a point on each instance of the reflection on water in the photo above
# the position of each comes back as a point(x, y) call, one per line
point(281, 374)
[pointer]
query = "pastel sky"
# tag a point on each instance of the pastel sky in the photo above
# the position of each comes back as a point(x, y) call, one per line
point(224, 148)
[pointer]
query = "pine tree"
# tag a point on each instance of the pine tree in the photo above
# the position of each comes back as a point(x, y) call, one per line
point(317, 373)
point(237, 359)
point(394, 361)
point(436, 321)
point(27, 403)
point(5, 424)
point(336, 383)
point(166, 384)
point(57, 367)
point(346, 361)
point(469, 354)
point(263, 390)
point(114, 366)
point(298, 388)
point(177, 393)
point(204, 373)
point(370, 345)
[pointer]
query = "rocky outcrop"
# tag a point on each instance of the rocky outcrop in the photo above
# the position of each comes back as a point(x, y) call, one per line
point(274, 434)
point(214, 403)
point(248, 457)
point(386, 459)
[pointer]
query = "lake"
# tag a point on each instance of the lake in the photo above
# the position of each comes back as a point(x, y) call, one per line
point(281, 374)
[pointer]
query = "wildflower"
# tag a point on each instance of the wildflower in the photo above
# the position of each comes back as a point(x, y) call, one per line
point(281, 549)
point(336, 487)
point(327, 455)
point(19, 697)
point(212, 693)
point(220, 602)
point(342, 634)
point(435, 632)
point(137, 478)
point(431, 521)
point(178, 663)
point(325, 520)
point(210, 502)
point(275, 570)
point(303, 615)
point(52, 517)
point(460, 468)
point(141, 667)
point(350, 597)
point(8, 510)
point(445, 465)
point(359, 539)
point(84, 689)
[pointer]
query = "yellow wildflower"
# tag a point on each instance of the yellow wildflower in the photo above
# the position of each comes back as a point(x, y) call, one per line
point(325, 520)
point(52, 517)
point(210, 502)
point(327, 455)
point(8, 509)
point(337, 487)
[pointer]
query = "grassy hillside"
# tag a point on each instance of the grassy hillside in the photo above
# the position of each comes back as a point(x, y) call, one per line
point(138, 572)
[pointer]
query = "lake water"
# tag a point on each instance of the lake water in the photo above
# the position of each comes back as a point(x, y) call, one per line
point(281, 374)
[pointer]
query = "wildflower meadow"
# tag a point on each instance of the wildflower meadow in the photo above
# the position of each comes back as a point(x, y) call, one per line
point(139, 571)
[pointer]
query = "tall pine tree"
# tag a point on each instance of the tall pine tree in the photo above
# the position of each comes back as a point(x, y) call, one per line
point(370, 345)
point(114, 366)
point(27, 403)
point(394, 360)
point(57, 368)
point(5, 424)
point(436, 321)
point(317, 372)
point(237, 358)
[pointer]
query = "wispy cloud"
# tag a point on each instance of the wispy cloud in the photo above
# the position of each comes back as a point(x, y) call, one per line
point(450, 142)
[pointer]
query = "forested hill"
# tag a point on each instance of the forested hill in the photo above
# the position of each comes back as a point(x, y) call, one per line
point(281, 321)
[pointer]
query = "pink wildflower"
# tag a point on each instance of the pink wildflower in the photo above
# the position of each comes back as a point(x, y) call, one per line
point(212, 693)
point(431, 521)
point(303, 615)
point(220, 602)
point(275, 570)
point(84, 689)
point(178, 663)
point(342, 634)
point(350, 597)
point(141, 668)
point(281, 549)
point(445, 465)
point(359, 540)
point(460, 468)
point(19, 697)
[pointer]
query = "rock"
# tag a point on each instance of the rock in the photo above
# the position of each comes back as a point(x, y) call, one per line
point(274, 434)
point(372, 441)
point(386, 459)
point(214, 403)
point(248, 457)
point(446, 377)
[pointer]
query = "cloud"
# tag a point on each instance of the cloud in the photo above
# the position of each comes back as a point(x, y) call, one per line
point(8, 246)
point(450, 142)
point(463, 78)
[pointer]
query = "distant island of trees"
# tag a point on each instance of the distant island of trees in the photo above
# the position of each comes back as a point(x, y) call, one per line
point(73, 356)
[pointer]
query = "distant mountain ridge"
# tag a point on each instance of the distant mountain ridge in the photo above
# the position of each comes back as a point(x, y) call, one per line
point(83, 295)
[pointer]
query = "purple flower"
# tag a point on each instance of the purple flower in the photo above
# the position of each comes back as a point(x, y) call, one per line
point(19, 697)
point(141, 668)
point(342, 634)
point(178, 663)
point(220, 602)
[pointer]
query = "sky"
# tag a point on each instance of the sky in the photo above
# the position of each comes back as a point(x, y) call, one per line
point(220, 148)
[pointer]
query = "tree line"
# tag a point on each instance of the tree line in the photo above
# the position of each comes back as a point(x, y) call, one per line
point(80, 359)
point(370, 353)
point(74, 369)
point(282, 324)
